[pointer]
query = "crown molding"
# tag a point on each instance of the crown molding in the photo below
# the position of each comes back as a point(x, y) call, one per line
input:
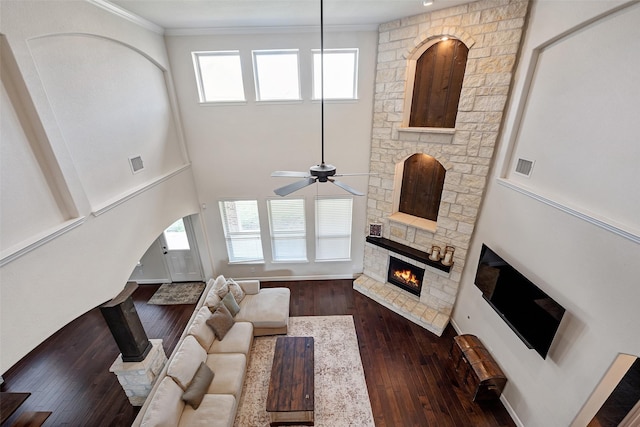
point(268, 30)
point(122, 13)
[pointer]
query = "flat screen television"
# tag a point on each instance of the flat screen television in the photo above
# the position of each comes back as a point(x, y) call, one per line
point(531, 313)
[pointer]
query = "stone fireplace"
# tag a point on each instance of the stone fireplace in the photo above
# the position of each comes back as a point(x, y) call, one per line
point(491, 31)
point(405, 275)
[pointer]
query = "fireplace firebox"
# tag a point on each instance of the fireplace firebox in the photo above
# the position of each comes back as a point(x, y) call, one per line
point(406, 276)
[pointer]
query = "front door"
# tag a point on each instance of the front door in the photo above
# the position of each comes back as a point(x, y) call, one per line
point(180, 252)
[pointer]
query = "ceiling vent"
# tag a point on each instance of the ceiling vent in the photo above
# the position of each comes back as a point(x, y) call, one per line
point(136, 164)
point(524, 167)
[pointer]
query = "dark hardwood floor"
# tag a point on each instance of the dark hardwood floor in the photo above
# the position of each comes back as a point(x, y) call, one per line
point(405, 366)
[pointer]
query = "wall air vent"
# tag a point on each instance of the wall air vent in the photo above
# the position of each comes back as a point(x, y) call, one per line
point(136, 164)
point(524, 167)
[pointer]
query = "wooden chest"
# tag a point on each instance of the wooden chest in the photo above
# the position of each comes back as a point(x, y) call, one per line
point(475, 368)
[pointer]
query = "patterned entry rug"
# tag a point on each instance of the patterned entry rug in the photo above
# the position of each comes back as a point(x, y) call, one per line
point(177, 293)
point(341, 397)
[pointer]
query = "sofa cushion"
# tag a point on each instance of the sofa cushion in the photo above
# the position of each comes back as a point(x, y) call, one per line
point(220, 321)
point(166, 407)
point(186, 360)
point(268, 309)
point(199, 385)
point(216, 410)
point(200, 330)
point(238, 340)
point(220, 286)
point(236, 290)
point(230, 369)
point(229, 301)
point(250, 287)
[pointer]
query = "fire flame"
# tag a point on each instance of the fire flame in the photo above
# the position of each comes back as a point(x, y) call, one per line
point(407, 277)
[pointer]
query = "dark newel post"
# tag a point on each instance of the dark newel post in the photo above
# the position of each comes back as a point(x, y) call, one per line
point(125, 325)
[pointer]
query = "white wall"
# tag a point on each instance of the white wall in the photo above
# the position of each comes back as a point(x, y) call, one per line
point(590, 270)
point(41, 209)
point(78, 220)
point(234, 148)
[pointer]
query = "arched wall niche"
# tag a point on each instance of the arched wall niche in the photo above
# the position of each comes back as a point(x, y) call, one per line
point(421, 44)
point(399, 176)
point(118, 97)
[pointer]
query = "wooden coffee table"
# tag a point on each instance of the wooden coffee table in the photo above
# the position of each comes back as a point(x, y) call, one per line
point(290, 399)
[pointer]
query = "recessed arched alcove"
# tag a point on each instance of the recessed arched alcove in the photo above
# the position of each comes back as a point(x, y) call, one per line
point(418, 184)
point(437, 84)
point(435, 74)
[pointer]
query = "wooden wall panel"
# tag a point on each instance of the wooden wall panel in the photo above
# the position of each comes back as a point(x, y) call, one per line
point(437, 86)
point(422, 183)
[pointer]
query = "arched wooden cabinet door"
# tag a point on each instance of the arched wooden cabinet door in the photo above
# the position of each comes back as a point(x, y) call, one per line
point(437, 85)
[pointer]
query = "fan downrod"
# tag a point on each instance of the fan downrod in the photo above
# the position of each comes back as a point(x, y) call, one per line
point(322, 171)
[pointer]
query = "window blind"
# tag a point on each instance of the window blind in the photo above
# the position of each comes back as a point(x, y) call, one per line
point(241, 225)
point(333, 228)
point(288, 229)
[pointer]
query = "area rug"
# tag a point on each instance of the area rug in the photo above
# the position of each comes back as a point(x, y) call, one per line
point(177, 293)
point(341, 397)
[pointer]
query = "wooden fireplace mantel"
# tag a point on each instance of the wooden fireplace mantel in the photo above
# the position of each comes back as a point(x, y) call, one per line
point(408, 251)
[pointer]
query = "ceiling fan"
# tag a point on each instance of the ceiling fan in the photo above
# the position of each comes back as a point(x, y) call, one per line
point(323, 172)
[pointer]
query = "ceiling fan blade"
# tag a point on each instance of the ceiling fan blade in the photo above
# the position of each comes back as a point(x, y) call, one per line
point(288, 189)
point(291, 174)
point(346, 187)
point(355, 174)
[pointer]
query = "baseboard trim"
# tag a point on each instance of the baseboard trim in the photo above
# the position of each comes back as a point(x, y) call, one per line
point(510, 410)
point(152, 281)
point(296, 278)
point(503, 398)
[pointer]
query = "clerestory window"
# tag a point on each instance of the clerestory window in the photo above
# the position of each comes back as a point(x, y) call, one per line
point(219, 76)
point(277, 75)
point(340, 74)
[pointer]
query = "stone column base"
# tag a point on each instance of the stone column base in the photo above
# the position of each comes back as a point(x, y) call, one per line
point(137, 378)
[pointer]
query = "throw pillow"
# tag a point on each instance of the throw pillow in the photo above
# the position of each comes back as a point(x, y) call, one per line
point(220, 321)
point(220, 286)
point(212, 300)
point(199, 385)
point(236, 290)
point(230, 302)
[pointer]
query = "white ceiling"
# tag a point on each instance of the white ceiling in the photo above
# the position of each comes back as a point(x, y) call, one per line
point(218, 14)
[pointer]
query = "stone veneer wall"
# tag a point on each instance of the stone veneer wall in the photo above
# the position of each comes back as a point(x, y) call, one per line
point(492, 30)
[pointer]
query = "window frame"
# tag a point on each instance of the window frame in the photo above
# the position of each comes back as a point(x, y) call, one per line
point(277, 235)
point(202, 96)
point(231, 236)
point(356, 56)
point(256, 75)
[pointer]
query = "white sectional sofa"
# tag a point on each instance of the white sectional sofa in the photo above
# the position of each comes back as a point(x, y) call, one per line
point(184, 393)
